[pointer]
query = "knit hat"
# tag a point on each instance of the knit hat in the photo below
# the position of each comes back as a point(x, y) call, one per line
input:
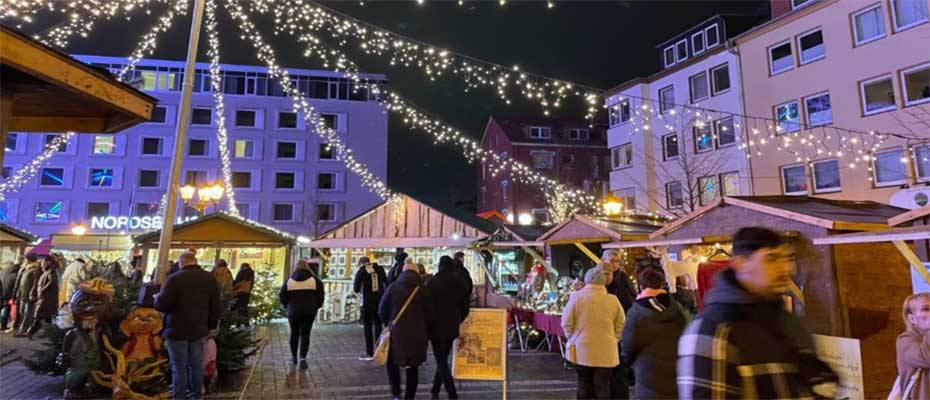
point(595, 276)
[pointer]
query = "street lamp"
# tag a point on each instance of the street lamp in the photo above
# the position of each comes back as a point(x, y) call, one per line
point(78, 230)
point(207, 196)
point(612, 205)
point(525, 219)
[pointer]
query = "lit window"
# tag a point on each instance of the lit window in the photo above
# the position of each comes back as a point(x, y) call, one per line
point(794, 179)
point(721, 78)
point(286, 150)
point(670, 146)
point(674, 195)
point(284, 180)
point(877, 95)
point(53, 177)
point(818, 109)
point(241, 180)
point(726, 132)
point(99, 210)
point(908, 13)
point(326, 212)
point(709, 189)
point(788, 118)
point(244, 149)
point(539, 132)
point(326, 152)
point(916, 84)
point(620, 113)
point(699, 89)
point(202, 116)
point(104, 144)
point(326, 181)
point(826, 176)
point(869, 25)
point(622, 156)
point(697, 43)
point(729, 181)
point(197, 147)
point(628, 196)
point(148, 178)
point(331, 121)
point(287, 120)
point(666, 99)
point(780, 58)
point(922, 161)
point(811, 46)
point(703, 139)
point(542, 159)
point(889, 167)
point(246, 118)
point(152, 146)
point(48, 211)
point(101, 177)
point(283, 212)
point(11, 141)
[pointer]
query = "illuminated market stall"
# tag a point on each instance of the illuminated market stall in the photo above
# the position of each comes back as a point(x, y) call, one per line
point(13, 243)
point(512, 251)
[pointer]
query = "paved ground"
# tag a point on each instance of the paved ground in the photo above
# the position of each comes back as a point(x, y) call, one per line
point(334, 373)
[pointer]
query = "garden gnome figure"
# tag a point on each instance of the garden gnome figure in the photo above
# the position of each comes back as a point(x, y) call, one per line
point(141, 326)
point(81, 352)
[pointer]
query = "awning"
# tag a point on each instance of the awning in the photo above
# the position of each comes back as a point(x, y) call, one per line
point(375, 243)
point(885, 235)
point(91, 242)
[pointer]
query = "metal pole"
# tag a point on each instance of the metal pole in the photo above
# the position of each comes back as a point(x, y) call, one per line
point(164, 241)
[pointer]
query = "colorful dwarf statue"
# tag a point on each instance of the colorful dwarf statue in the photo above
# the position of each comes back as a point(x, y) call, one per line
point(141, 326)
point(81, 352)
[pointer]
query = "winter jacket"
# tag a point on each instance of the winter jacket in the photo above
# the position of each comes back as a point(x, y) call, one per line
point(744, 346)
point(593, 322)
point(74, 274)
point(8, 274)
point(622, 287)
point(302, 294)
point(464, 276)
point(451, 300)
point(650, 345)
point(190, 300)
point(396, 269)
point(245, 280)
point(409, 335)
point(47, 293)
point(28, 279)
point(914, 355)
point(223, 278)
point(370, 282)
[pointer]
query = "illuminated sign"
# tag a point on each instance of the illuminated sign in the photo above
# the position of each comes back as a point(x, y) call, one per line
point(124, 222)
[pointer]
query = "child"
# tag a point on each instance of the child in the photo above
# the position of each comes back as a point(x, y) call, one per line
point(209, 362)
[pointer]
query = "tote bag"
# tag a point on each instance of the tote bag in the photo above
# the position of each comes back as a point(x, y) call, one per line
point(384, 342)
point(897, 393)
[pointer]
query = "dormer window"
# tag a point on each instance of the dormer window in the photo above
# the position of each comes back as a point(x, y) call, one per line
point(579, 134)
point(681, 50)
point(711, 36)
point(697, 42)
point(669, 54)
point(540, 132)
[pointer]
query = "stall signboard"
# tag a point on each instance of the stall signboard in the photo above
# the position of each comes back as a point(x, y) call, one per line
point(842, 354)
point(480, 353)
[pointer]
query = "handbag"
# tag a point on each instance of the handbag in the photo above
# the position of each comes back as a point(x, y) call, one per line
point(384, 341)
point(896, 391)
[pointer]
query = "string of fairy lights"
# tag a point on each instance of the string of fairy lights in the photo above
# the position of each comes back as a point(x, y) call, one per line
point(25, 174)
point(149, 40)
point(216, 81)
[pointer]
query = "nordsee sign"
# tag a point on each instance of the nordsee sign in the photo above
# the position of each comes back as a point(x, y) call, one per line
point(125, 223)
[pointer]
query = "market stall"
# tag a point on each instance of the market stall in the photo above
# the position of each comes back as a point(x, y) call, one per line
point(847, 290)
point(99, 247)
point(13, 243)
point(512, 251)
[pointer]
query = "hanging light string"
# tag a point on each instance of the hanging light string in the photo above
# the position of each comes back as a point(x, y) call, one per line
point(23, 175)
point(216, 81)
point(82, 17)
point(149, 41)
point(266, 54)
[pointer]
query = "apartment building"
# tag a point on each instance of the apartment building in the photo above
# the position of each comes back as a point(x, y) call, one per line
point(860, 65)
point(283, 175)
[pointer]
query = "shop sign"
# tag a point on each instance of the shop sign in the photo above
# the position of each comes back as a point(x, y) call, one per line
point(480, 353)
point(843, 356)
point(123, 222)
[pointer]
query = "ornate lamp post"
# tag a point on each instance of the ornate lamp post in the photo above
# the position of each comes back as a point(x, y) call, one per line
point(612, 205)
point(208, 196)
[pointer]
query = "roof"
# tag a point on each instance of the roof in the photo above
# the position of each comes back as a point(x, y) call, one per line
point(590, 228)
point(220, 227)
point(526, 232)
point(733, 24)
point(10, 234)
point(53, 92)
point(826, 213)
point(909, 216)
point(516, 130)
point(884, 235)
point(788, 16)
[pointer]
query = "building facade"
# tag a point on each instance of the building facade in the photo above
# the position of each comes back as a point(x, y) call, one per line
point(283, 175)
point(668, 154)
point(860, 65)
point(568, 151)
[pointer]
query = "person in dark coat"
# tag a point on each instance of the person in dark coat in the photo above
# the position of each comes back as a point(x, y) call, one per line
point(451, 300)
point(370, 283)
point(462, 271)
point(242, 289)
point(303, 296)
point(136, 273)
point(190, 299)
point(46, 291)
point(650, 337)
point(409, 333)
point(26, 296)
point(398, 266)
point(8, 275)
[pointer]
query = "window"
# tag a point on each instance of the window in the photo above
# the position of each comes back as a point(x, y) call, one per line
point(810, 47)
point(620, 113)
point(709, 189)
point(622, 156)
point(48, 211)
point(97, 210)
point(244, 148)
point(794, 179)
point(669, 55)
point(326, 152)
point(869, 25)
point(539, 132)
point(146, 209)
point(877, 95)
point(907, 13)
point(670, 146)
point(53, 177)
point(104, 144)
point(286, 150)
point(11, 140)
point(6, 212)
point(152, 146)
point(7, 172)
point(826, 176)
point(666, 99)
point(711, 36)
point(889, 167)
point(283, 212)
point(331, 121)
point(62, 147)
point(246, 119)
point(922, 161)
point(542, 159)
point(788, 118)
point(726, 132)
point(202, 116)
point(101, 177)
point(285, 180)
point(721, 78)
point(148, 178)
point(326, 181)
point(241, 180)
point(628, 196)
point(681, 50)
point(326, 212)
point(916, 85)
point(197, 147)
point(579, 134)
point(698, 84)
point(195, 178)
point(159, 114)
point(780, 58)
point(818, 109)
point(697, 43)
point(673, 194)
point(570, 158)
point(243, 210)
point(287, 120)
point(729, 182)
point(703, 138)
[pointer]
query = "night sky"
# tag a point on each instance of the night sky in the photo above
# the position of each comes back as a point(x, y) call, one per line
point(598, 43)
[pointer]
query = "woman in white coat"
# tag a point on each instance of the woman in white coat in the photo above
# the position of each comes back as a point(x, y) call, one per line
point(593, 323)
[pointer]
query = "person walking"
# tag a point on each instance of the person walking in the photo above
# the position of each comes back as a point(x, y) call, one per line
point(593, 322)
point(8, 275)
point(190, 299)
point(650, 337)
point(242, 290)
point(743, 323)
point(620, 286)
point(451, 300)
point(223, 277)
point(408, 330)
point(913, 348)
point(26, 296)
point(459, 259)
point(303, 296)
point(46, 293)
point(370, 284)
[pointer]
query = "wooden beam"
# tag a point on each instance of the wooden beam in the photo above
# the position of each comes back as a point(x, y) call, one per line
point(58, 124)
point(602, 239)
point(912, 258)
point(538, 257)
point(909, 216)
point(778, 212)
point(584, 249)
point(858, 226)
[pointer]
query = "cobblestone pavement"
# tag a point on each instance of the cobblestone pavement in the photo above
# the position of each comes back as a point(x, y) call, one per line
point(335, 372)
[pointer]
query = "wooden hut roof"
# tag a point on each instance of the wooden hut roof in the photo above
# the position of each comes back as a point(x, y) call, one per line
point(514, 236)
point(910, 216)
point(884, 235)
point(596, 229)
point(10, 235)
point(220, 228)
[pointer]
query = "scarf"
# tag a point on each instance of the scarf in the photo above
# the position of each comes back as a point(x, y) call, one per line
point(375, 286)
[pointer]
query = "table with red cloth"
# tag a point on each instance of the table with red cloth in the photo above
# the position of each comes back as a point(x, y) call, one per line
point(549, 324)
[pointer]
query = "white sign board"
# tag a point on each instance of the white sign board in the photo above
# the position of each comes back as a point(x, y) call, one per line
point(918, 282)
point(842, 354)
point(480, 353)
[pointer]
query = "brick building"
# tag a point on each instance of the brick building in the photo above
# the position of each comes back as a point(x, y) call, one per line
point(566, 150)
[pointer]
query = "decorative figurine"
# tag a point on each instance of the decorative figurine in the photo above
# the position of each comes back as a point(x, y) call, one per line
point(90, 307)
point(141, 326)
point(126, 373)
